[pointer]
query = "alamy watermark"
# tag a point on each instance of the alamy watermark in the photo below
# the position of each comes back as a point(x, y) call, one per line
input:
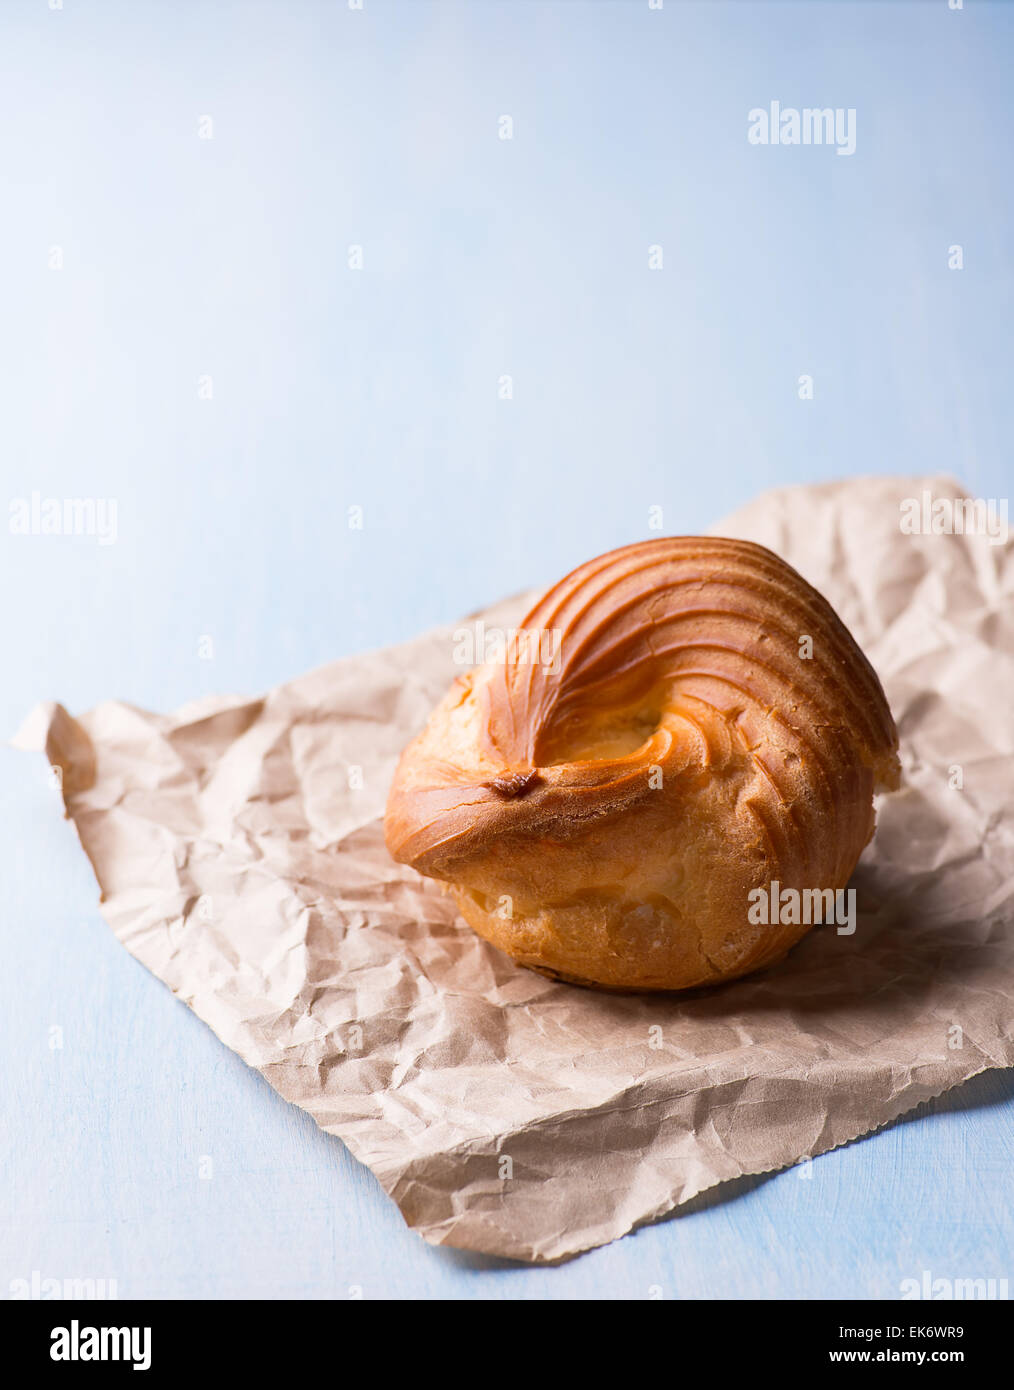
point(787, 125)
point(774, 905)
point(927, 515)
point(63, 516)
point(480, 645)
point(930, 1287)
point(77, 1343)
point(42, 1287)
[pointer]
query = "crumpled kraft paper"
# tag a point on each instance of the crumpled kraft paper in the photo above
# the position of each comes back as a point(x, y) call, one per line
point(239, 849)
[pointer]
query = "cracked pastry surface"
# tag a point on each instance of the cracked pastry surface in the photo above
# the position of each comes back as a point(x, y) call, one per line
point(602, 803)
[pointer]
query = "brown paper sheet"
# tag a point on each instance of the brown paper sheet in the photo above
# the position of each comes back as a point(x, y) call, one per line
point(239, 850)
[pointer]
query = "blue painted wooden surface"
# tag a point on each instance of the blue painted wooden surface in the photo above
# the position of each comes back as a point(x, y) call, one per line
point(227, 257)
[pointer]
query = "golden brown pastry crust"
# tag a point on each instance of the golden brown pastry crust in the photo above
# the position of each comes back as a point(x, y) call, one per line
point(606, 821)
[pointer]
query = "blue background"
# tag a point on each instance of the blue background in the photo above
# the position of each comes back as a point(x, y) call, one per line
point(378, 388)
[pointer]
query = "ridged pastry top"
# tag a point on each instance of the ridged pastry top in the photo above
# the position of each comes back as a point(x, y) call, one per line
point(682, 655)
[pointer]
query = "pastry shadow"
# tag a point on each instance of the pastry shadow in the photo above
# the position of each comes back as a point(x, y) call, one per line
point(902, 949)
